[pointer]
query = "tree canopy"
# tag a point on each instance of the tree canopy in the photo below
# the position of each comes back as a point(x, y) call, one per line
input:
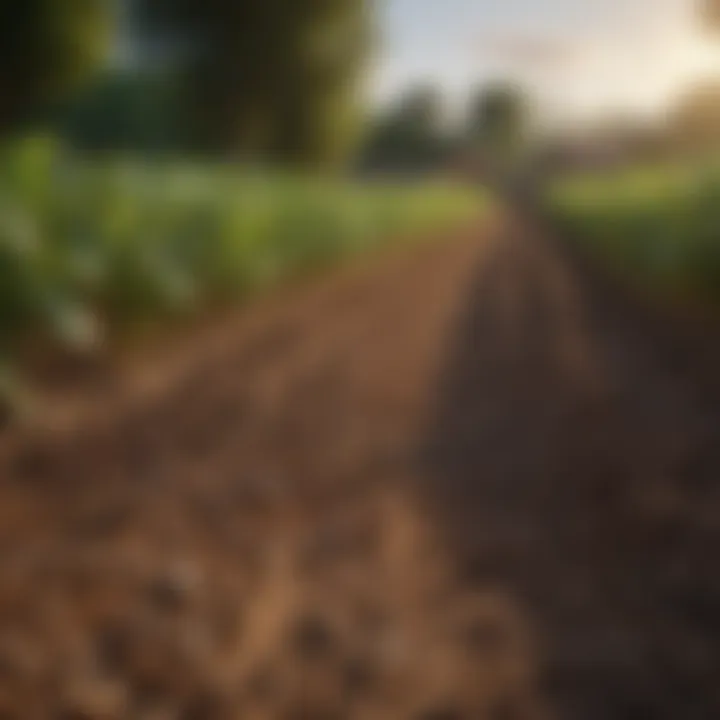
point(498, 115)
point(409, 136)
point(277, 77)
point(47, 47)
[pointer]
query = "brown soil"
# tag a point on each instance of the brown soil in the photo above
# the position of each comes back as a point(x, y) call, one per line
point(471, 481)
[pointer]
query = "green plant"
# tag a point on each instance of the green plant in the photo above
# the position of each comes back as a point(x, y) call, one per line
point(88, 248)
point(657, 226)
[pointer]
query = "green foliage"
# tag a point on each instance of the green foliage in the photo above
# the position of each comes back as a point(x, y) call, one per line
point(409, 136)
point(658, 226)
point(498, 123)
point(47, 47)
point(277, 78)
point(126, 110)
point(87, 248)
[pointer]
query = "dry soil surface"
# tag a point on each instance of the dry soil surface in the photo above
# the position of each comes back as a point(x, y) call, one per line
point(468, 481)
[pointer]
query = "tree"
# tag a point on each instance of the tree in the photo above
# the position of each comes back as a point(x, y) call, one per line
point(126, 109)
point(497, 125)
point(498, 116)
point(47, 48)
point(277, 77)
point(409, 136)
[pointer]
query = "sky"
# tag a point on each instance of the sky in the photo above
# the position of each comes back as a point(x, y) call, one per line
point(581, 58)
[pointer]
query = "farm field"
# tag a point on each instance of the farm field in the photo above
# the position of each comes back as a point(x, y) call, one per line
point(359, 360)
point(657, 227)
point(91, 247)
point(463, 482)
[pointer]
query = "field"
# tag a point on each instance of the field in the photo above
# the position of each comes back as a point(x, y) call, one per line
point(658, 227)
point(90, 247)
point(459, 482)
point(467, 481)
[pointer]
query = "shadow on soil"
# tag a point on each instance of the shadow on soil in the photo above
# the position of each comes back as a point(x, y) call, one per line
point(575, 462)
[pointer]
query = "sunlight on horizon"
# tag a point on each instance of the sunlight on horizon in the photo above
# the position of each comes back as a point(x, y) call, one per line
point(576, 68)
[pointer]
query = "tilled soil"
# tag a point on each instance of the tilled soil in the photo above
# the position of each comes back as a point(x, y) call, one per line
point(468, 481)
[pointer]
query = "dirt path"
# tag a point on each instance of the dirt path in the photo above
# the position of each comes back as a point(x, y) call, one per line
point(466, 482)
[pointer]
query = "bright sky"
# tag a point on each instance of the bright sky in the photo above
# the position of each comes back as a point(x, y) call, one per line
point(580, 56)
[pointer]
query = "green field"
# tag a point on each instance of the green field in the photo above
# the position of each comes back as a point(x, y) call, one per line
point(90, 247)
point(658, 227)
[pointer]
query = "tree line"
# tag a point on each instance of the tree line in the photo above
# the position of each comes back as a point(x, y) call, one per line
point(276, 78)
point(270, 80)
